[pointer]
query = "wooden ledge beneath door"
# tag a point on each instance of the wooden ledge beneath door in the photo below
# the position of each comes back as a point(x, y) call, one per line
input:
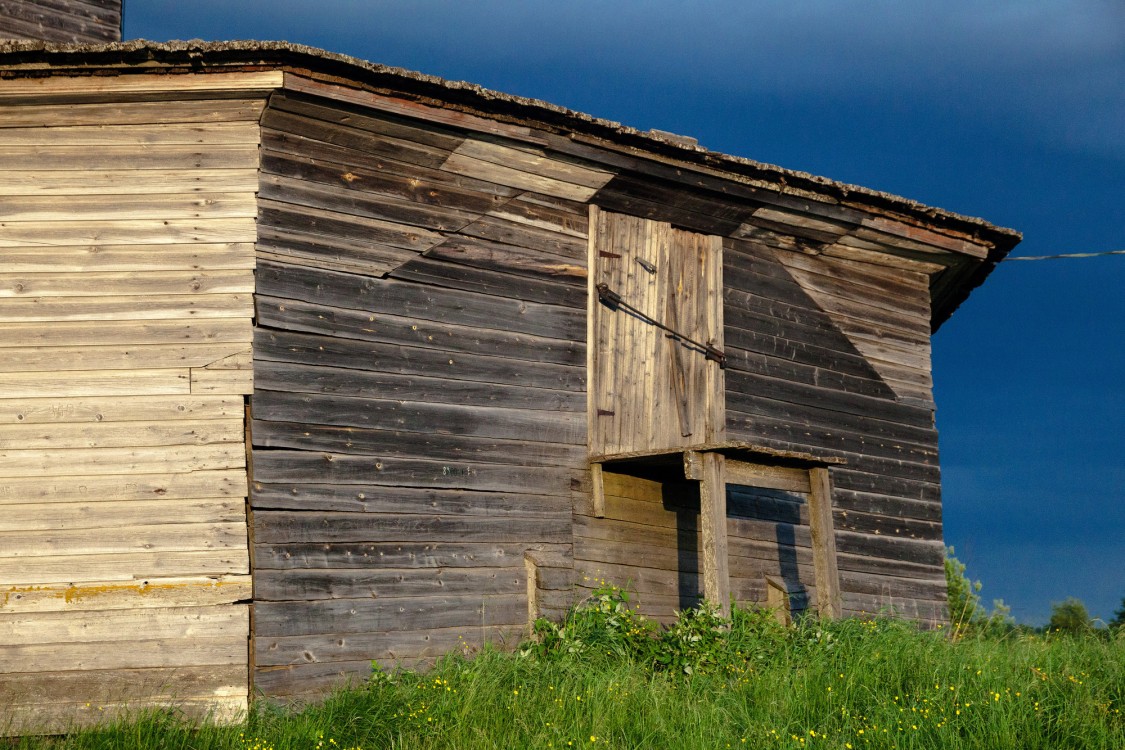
point(670, 464)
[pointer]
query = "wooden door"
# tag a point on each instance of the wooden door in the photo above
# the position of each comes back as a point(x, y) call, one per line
point(655, 336)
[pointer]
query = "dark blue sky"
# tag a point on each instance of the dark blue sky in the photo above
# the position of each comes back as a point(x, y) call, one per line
point(1013, 110)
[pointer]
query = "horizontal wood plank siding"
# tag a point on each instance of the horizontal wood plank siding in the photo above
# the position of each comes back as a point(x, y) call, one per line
point(419, 412)
point(126, 335)
point(832, 357)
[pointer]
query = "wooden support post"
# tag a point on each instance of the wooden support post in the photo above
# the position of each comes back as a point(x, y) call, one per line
point(713, 518)
point(531, 565)
point(779, 600)
point(597, 490)
point(828, 602)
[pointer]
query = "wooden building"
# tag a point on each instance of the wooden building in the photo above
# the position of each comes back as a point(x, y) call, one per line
point(309, 362)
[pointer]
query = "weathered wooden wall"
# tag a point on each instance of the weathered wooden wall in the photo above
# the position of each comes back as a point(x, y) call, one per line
point(831, 356)
point(61, 20)
point(649, 542)
point(126, 281)
point(419, 419)
point(419, 412)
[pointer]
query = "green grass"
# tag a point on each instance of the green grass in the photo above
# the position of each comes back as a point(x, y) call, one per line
point(609, 679)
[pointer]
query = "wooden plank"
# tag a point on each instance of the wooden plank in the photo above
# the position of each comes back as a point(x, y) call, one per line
point(166, 157)
point(40, 628)
point(413, 331)
point(299, 378)
point(122, 134)
point(142, 460)
point(219, 381)
point(273, 619)
point(713, 520)
point(770, 477)
point(155, 356)
point(325, 353)
point(38, 208)
point(197, 591)
point(550, 215)
point(389, 296)
point(507, 258)
point(126, 487)
point(120, 685)
point(392, 443)
point(314, 585)
point(404, 150)
point(285, 527)
point(138, 83)
point(394, 554)
point(317, 498)
point(426, 188)
point(339, 112)
point(122, 283)
point(184, 537)
point(279, 466)
point(48, 182)
point(135, 232)
point(109, 258)
point(405, 107)
point(346, 226)
point(125, 307)
point(419, 416)
point(65, 569)
point(125, 409)
point(102, 332)
point(824, 544)
point(293, 247)
point(25, 435)
point(349, 200)
point(597, 484)
point(61, 718)
point(462, 276)
point(84, 383)
point(459, 163)
point(133, 113)
point(535, 161)
point(34, 517)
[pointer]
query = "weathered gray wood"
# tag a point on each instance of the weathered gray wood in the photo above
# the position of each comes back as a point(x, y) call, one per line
point(286, 527)
point(393, 555)
point(505, 258)
point(275, 466)
point(396, 443)
point(547, 240)
point(315, 498)
point(392, 329)
point(823, 535)
point(295, 146)
point(450, 275)
point(713, 515)
point(296, 378)
point(309, 195)
point(368, 615)
point(374, 144)
point(389, 296)
point(332, 352)
point(420, 416)
point(432, 190)
point(347, 114)
point(313, 585)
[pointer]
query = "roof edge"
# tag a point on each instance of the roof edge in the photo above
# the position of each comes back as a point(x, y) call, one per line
point(37, 58)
